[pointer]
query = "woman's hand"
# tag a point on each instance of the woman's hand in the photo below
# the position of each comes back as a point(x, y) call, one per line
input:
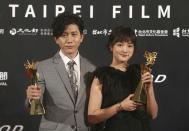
point(147, 79)
point(128, 105)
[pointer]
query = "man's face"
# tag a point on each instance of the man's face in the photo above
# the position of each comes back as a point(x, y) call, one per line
point(70, 40)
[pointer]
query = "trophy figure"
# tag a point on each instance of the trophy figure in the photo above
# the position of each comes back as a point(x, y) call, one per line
point(140, 91)
point(36, 105)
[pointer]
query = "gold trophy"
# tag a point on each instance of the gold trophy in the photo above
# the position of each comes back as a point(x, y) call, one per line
point(140, 91)
point(36, 105)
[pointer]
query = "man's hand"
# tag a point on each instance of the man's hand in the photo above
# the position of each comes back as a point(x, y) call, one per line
point(33, 92)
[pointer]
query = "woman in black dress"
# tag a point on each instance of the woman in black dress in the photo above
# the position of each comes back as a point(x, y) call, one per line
point(113, 87)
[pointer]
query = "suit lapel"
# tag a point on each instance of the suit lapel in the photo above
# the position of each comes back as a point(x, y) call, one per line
point(82, 83)
point(61, 70)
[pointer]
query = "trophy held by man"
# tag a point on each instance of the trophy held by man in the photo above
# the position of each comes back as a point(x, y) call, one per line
point(36, 105)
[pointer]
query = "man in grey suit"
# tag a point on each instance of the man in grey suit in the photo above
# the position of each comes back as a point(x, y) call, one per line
point(61, 84)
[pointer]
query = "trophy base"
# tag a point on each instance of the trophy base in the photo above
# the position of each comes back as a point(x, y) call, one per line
point(37, 108)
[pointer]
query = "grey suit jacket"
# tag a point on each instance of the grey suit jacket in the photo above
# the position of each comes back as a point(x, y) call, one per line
point(63, 113)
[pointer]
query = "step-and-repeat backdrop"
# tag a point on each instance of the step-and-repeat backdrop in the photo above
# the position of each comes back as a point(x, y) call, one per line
point(160, 25)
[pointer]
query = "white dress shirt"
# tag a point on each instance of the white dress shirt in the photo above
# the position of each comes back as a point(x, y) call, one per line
point(76, 66)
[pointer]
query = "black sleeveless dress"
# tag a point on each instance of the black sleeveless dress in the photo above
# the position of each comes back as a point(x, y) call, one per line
point(116, 86)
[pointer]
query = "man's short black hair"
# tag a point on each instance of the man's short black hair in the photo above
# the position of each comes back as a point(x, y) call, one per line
point(61, 22)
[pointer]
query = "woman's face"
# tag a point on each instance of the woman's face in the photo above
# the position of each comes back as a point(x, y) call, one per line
point(122, 51)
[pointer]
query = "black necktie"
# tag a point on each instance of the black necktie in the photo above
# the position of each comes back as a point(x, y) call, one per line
point(73, 78)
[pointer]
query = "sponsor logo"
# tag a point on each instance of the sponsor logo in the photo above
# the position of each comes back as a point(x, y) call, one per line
point(46, 32)
point(22, 31)
point(13, 128)
point(151, 33)
point(2, 31)
point(104, 32)
point(3, 78)
point(159, 78)
point(178, 32)
point(185, 32)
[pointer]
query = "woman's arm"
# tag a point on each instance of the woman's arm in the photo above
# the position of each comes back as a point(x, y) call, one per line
point(151, 106)
point(96, 114)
